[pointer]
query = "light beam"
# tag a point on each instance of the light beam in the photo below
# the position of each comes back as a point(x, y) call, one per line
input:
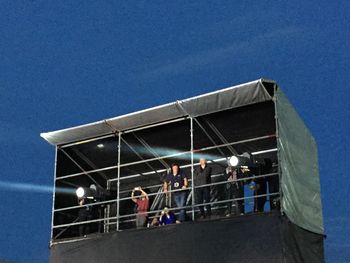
point(34, 188)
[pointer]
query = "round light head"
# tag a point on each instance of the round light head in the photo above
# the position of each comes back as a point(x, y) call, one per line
point(80, 192)
point(233, 161)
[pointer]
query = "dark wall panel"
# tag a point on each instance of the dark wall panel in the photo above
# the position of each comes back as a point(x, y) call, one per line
point(254, 238)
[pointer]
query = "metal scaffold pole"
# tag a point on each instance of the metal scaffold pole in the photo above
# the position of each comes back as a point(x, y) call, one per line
point(53, 195)
point(278, 148)
point(118, 182)
point(192, 169)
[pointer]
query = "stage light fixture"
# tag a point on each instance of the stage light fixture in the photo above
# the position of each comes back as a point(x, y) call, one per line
point(80, 192)
point(90, 193)
point(233, 161)
point(244, 159)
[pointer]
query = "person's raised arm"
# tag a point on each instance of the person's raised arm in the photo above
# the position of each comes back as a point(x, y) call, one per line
point(185, 183)
point(133, 197)
point(81, 202)
point(144, 193)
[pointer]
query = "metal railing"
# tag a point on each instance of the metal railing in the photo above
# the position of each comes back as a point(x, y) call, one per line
point(154, 194)
point(128, 218)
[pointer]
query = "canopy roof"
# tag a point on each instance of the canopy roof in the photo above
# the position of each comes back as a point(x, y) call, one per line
point(232, 97)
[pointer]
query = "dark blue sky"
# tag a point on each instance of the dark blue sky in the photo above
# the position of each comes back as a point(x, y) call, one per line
point(65, 63)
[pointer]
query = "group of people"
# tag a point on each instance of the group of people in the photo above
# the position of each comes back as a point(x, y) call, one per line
point(176, 183)
point(142, 204)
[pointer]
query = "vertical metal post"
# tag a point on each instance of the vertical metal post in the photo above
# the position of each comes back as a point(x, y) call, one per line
point(107, 211)
point(278, 149)
point(118, 181)
point(53, 196)
point(192, 169)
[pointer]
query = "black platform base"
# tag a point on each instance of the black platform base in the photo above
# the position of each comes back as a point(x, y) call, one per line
point(251, 238)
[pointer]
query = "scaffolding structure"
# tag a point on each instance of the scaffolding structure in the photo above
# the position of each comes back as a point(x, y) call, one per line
point(138, 149)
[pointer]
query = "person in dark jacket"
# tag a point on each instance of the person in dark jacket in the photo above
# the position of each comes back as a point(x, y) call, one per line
point(235, 190)
point(262, 183)
point(84, 214)
point(178, 183)
point(202, 177)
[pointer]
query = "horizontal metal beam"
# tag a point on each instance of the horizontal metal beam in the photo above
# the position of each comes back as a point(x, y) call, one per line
point(168, 156)
point(187, 165)
point(153, 194)
point(171, 209)
point(87, 141)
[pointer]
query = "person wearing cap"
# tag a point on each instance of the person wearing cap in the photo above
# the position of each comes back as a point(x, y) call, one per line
point(202, 176)
point(178, 183)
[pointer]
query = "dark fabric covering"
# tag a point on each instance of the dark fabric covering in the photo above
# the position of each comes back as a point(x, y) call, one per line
point(300, 180)
point(202, 176)
point(249, 238)
point(245, 94)
point(301, 245)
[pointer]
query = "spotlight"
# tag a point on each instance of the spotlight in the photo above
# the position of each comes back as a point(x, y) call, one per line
point(80, 192)
point(244, 159)
point(90, 193)
point(233, 161)
point(100, 145)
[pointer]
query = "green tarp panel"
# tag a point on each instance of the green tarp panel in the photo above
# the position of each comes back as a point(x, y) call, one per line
point(301, 197)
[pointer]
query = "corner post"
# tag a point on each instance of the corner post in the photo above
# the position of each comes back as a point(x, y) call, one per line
point(53, 195)
point(278, 148)
point(192, 169)
point(118, 181)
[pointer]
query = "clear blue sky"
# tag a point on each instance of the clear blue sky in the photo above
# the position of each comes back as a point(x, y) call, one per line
point(65, 63)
